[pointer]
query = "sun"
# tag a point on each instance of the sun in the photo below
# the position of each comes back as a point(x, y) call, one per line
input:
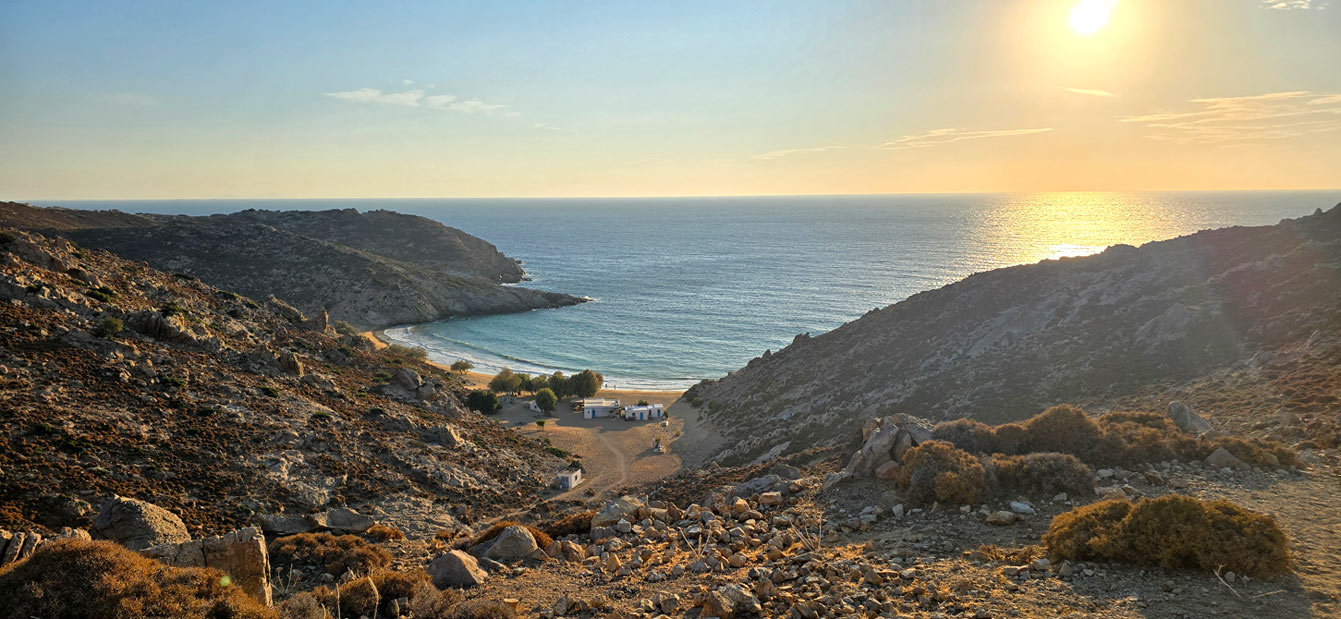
point(1089, 16)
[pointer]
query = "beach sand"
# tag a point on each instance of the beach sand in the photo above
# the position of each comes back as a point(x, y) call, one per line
point(616, 454)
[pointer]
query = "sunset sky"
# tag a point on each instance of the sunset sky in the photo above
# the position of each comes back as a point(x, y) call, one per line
point(178, 99)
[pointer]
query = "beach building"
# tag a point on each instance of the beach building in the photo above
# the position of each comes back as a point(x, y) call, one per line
point(570, 478)
point(592, 408)
point(645, 412)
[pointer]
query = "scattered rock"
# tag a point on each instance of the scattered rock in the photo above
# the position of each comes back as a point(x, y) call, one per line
point(456, 569)
point(513, 543)
point(1187, 419)
point(1223, 459)
point(348, 520)
point(1002, 518)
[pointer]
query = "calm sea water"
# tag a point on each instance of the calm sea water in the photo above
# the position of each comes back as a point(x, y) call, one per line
point(691, 288)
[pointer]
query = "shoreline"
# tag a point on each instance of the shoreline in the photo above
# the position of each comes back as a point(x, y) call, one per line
point(477, 380)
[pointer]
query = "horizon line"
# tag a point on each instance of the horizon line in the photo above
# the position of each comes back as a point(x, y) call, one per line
point(679, 196)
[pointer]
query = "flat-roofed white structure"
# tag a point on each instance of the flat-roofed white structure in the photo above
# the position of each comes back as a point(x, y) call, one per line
point(570, 478)
point(644, 412)
point(592, 408)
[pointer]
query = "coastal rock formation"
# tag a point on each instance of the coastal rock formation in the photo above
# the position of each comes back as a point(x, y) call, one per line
point(1003, 345)
point(373, 271)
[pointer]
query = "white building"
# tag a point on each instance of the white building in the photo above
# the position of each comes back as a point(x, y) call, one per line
point(533, 406)
point(645, 412)
point(570, 478)
point(592, 408)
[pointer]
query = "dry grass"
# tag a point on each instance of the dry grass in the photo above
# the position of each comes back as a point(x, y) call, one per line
point(370, 595)
point(541, 539)
point(1020, 555)
point(1172, 532)
point(937, 471)
point(337, 554)
point(578, 523)
point(383, 533)
point(101, 580)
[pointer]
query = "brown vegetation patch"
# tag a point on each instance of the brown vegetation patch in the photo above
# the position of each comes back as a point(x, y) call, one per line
point(578, 523)
point(383, 533)
point(336, 554)
point(1041, 474)
point(937, 471)
point(1172, 532)
point(101, 580)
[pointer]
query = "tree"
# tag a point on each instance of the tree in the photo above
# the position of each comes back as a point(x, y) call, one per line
point(546, 399)
point(535, 383)
point(585, 384)
point(644, 403)
point(506, 381)
point(559, 384)
point(483, 401)
point(462, 366)
point(541, 423)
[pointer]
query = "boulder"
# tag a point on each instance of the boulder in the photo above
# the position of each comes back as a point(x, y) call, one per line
point(1222, 458)
point(756, 485)
point(281, 525)
point(878, 449)
point(138, 524)
point(888, 470)
point(406, 378)
point(348, 520)
point(1187, 419)
point(289, 363)
point(902, 443)
point(1002, 518)
point(614, 510)
point(240, 554)
point(514, 543)
point(716, 604)
point(447, 436)
point(770, 498)
point(456, 569)
point(785, 471)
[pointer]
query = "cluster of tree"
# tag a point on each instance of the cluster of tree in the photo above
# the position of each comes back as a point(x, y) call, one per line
point(483, 401)
point(584, 384)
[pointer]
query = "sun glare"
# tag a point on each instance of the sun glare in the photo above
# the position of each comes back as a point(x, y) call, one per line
point(1089, 16)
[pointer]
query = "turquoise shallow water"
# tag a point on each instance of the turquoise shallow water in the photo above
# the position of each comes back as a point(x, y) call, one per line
point(691, 288)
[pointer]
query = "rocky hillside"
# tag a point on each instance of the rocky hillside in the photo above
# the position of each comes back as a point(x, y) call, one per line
point(1002, 345)
point(346, 263)
point(119, 379)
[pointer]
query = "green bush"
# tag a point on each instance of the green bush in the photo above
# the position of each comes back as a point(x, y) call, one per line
point(1172, 532)
point(344, 328)
point(396, 353)
point(101, 293)
point(483, 401)
point(937, 471)
point(108, 327)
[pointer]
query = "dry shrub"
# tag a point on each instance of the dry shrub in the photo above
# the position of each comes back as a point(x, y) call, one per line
point(384, 533)
point(370, 595)
point(101, 580)
point(1020, 555)
point(336, 554)
point(1149, 420)
point(578, 523)
point(428, 602)
point(970, 435)
point(1257, 452)
point(541, 539)
point(937, 471)
point(483, 609)
point(1041, 474)
point(1010, 438)
point(1062, 429)
point(1172, 531)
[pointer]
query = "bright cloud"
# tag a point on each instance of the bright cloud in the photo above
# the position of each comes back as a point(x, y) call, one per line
point(946, 136)
point(779, 154)
point(1289, 5)
point(1093, 92)
point(1270, 116)
point(417, 98)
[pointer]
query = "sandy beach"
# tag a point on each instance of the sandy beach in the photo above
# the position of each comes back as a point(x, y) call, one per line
point(616, 454)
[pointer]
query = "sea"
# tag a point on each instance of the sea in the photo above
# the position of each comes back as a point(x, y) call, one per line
point(683, 289)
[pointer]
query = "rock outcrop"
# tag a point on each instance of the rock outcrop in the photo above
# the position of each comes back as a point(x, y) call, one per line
point(240, 554)
point(138, 524)
point(456, 569)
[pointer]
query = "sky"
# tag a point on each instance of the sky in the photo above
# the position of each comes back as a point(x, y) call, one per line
point(350, 99)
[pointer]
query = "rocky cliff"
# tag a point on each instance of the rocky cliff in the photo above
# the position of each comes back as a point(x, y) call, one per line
point(372, 270)
point(1002, 345)
point(119, 379)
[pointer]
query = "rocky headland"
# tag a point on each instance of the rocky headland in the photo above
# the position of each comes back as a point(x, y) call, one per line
point(372, 270)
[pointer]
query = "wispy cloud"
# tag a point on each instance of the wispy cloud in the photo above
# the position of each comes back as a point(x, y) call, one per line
point(1290, 5)
point(946, 136)
point(417, 98)
point(134, 99)
point(1093, 92)
point(1269, 116)
point(779, 154)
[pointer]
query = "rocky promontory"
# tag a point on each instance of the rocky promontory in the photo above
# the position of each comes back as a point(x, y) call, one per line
point(372, 270)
